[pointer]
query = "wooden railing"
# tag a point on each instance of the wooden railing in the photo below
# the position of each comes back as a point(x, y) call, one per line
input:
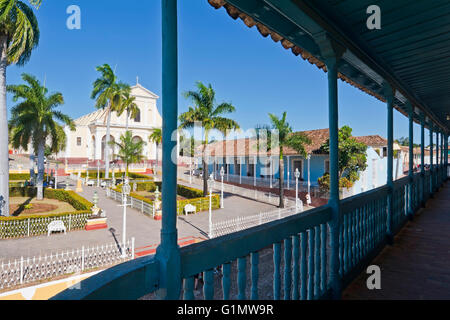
point(303, 240)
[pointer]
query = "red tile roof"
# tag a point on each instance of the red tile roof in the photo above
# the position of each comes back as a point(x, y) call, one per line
point(248, 146)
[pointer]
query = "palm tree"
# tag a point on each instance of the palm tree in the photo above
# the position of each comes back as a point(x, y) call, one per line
point(129, 150)
point(19, 35)
point(127, 103)
point(156, 137)
point(286, 138)
point(206, 112)
point(108, 92)
point(33, 120)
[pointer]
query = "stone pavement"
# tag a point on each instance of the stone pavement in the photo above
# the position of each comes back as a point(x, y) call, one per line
point(145, 230)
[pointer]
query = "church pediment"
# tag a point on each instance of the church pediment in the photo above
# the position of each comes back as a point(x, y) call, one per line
point(140, 91)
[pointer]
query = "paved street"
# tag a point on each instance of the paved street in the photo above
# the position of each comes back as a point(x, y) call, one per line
point(145, 230)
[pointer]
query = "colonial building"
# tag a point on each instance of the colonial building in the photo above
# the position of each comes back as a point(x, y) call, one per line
point(243, 163)
point(89, 139)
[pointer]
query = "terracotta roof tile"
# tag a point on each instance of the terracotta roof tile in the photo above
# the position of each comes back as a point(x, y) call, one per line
point(248, 146)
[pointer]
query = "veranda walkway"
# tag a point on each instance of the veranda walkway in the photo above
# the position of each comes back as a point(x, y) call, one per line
point(417, 266)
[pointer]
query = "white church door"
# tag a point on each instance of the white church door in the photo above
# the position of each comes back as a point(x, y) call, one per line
point(111, 149)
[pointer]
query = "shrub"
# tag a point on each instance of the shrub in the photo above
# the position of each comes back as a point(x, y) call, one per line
point(75, 200)
point(324, 182)
point(13, 227)
point(139, 176)
point(21, 176)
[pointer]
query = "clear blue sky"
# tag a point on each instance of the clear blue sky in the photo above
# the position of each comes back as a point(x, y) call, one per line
point(257, 75)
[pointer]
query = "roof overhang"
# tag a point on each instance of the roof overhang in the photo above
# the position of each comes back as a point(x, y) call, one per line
point(294, 23)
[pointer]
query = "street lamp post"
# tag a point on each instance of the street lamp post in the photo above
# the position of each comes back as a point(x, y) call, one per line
point(113, 174)
point(125, 192)
point(297, 175)
point(98, 174)
point(210, 180)
point(309, 180)
point(56, 176)
point(190, 171)
point(222, 172)
point(270, 172)
point(87, 172)
point(48, 171)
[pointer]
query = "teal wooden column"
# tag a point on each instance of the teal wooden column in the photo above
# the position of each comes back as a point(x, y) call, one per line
point(441, 177)
point(334, 176)
point(389, 95)
point(436, 185)
point(446, 157)
point(411, 160)
point(431, 161)
point(422, 156)
point(168, 252)
point(332, 52)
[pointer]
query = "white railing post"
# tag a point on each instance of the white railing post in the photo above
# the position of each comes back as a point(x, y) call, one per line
point(142, 206)
point(28, 227)
point(21, 270)
point(132, 248)
point(82, 258)
point(70, 220)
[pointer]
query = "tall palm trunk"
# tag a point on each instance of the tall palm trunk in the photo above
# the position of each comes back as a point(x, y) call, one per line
point(205, 177)
point(126, 129)
point(41, 168)
point(31, 167)
point(157, 146)
point(4, 152)
point(108, 135)
point(281, 172)
point(205, 167)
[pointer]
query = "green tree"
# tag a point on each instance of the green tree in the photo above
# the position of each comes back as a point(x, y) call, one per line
point(404, 142)
point(19, 35)
point(108, 93)
point(210, 116)
point(127, 103)
point(34, 119)
point(351, 158)
point(129, 151)
point(285, 138)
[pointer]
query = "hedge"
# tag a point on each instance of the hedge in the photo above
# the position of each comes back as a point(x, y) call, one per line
point(21, 176)
point(131, 175)
point(80, 204)
point(13, 227)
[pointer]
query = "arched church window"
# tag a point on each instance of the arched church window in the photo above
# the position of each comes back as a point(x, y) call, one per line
point(137, 118)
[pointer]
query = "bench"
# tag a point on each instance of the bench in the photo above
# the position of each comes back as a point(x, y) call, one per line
point(189, 208)
point(56, 225)
point(90, 183)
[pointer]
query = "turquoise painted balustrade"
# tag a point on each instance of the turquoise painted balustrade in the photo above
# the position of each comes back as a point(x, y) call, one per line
point(298, 244)
point(301, 240)
point(363, 230)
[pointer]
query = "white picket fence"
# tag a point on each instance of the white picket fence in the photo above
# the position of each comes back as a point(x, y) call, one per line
point(28, 270)
point(39, 225)
point(241, 223)
point(137, 204)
